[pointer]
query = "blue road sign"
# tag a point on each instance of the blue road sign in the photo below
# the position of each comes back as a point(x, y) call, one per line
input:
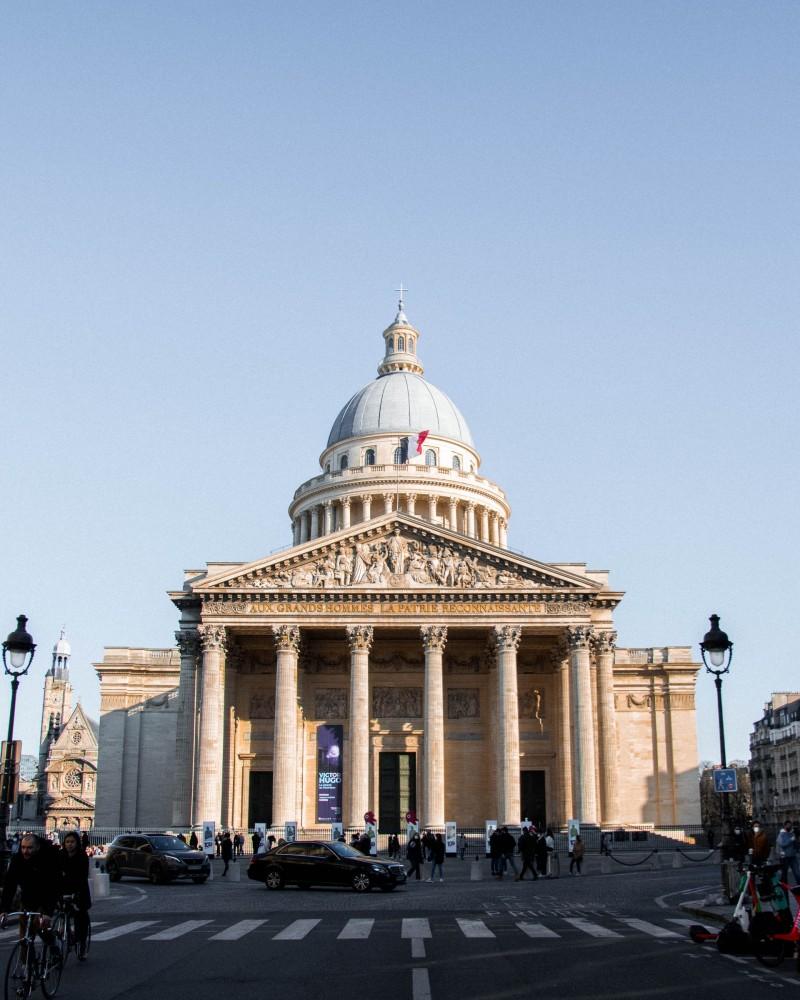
point(725, 780)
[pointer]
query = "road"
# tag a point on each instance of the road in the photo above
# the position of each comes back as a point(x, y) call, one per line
point(619, 935)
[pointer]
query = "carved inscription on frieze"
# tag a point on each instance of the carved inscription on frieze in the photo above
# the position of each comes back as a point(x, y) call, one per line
point(397, 702)
point(422, 608)
point(463, 703)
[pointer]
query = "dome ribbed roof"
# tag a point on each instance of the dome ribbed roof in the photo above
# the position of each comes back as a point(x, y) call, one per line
point(400, 402)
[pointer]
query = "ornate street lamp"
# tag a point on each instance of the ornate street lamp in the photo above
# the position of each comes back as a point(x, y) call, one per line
point(717, 652)
point(18, 650)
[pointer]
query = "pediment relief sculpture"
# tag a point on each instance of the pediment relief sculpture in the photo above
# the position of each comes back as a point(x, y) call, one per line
point(262, 705)
point(390, 561)
point(463, 703)
point(397, 703)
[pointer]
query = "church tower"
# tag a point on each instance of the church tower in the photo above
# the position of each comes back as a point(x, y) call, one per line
point(56, 703)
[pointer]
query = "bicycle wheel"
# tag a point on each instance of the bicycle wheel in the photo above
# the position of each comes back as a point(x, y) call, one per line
point(60, 929)
point(769, 951)
point(71, 943)
point(52, 965)
point(19, 976)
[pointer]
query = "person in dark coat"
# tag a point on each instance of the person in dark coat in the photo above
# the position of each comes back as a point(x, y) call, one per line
point(496, 854)
point(74, 865)
point(193, 841)
point(34, 871)
point(226, 851)
point(256, 838)
point(541, 854)
point(527, 851)
point(414, 855)
point(437, 858)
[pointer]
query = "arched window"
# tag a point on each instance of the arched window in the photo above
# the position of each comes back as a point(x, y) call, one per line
point(343, 463)
point(401, 343)
point(369, 456)
point(391, 344)
point(410, 345)
point(398, 456)
point(430, 457)
point(327, 466)
point(456, 463)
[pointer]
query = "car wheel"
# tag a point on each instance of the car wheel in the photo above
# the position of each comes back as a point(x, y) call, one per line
point(199, 879)
point(113, 872)
point(361, 882)
point(273, 879)
point(156, 875)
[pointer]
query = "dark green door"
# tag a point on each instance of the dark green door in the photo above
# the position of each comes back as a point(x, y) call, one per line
point(397, 793)
point(532, 799)
point(260, 808)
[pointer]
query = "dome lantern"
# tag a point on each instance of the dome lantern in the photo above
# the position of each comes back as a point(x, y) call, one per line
point(401, 340)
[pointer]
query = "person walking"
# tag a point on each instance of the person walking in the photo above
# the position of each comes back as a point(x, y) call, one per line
point(437, 858)
point(414, 855)
point(226, 851)
point(527, 851)
point(541, 854)
point(507, 848)
point(576, 856)
point(787, 852)
point(496, 854)
point(193, 841)
point(255, 840)
point(758, 843)
point(462, 846)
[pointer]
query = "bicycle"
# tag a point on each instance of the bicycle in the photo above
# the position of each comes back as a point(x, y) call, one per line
point(65, 928)
point(28, 964)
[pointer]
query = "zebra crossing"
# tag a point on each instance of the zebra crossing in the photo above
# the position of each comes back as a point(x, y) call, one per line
point(415, 929)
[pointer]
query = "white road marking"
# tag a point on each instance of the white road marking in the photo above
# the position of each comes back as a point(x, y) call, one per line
point(415, 927)
point(116, 932)
point(238, 930)
point(592, 929)
point(647, 928)
point(682, 922)
point(420, 984)
point(536, 930)
point(474, 928)
point(356, 930)
point(417, 948)
point(297, 930)
point(170, 933)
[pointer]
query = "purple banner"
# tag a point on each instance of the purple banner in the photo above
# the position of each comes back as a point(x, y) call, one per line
point(329, 773)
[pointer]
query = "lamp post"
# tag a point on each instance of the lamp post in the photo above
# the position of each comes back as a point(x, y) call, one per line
point(718, 649)
point(18, 650)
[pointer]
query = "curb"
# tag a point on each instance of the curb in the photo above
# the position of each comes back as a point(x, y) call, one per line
point(698, 908)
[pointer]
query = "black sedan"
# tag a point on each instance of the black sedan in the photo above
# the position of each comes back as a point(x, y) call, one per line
point(318, 862)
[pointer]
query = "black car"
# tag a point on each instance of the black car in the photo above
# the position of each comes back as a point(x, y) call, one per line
point(161, 857)
point(319, 862)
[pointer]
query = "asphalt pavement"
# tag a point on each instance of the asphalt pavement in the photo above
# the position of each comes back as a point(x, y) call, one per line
point(621, 935)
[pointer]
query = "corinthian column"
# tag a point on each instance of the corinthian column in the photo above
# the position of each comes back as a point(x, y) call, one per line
point(606, 725)
point(434, 638)
point(388, 501)
point(345, 512)
point(471, 519)
point(564, 752)
point(507, 638)
point(452, 505)
point(359, 638)
point(366, 505)
point(328, 505)
point(189, 646)
point(584, 778)
point(208, 773)
point(284, 740)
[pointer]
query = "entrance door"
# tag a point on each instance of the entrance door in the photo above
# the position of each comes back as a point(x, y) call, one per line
point(532, 798)
point(397, 792)
point(260, 807)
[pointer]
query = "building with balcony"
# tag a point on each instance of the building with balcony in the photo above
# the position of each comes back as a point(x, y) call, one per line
point(775, 759)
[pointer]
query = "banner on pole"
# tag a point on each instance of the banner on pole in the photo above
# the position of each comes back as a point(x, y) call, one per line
point(450, 838)
point(209, 829)
point(291, 831)
point(329, 773)
point(573, 832)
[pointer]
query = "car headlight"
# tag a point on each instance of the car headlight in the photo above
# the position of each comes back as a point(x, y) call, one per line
point(172, 859)
point(379, 869)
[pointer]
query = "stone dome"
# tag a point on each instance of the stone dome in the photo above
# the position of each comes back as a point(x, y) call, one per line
point(400, 401)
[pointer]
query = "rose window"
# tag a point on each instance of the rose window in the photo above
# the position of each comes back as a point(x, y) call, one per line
point(72, 779)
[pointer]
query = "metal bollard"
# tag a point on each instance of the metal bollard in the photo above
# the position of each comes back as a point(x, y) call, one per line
point(476, 870)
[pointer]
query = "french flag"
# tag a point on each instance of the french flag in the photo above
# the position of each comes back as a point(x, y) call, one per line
point(411, 446)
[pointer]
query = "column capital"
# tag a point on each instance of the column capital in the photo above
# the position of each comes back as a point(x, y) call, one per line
point(493, 515)
point(212, 637)
point(605, 642)
point(434, 637)
point(287, 638)
point(579, 637)
point(507, 638)
point(346, 501)
point(411, 497)
point(327, 504)
point(366, 498)
point(388, 497)
point(188, 642)
point(359, 638)
point(471, 505)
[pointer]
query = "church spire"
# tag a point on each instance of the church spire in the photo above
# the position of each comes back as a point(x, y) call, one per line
point(401, 343)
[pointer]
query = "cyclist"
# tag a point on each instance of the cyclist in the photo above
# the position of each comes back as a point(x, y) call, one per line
point(74, 865)
point(34, 871)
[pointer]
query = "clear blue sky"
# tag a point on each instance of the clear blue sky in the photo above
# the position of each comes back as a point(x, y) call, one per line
point(206, 208)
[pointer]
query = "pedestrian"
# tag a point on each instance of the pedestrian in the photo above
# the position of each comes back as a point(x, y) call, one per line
point(226, 851)
point(604, 843)
point(394, 846)
point(414, 855)
point(270, 841)
point(508, 846)
point(182, 838)
point(462, 846)
point(218, 843)
point(787, 852)
point(496, 854)
point(527, 851)
point(427, 844)
point(576, 856)
point(74, 869)
point(193, 840)
point(758, 843)
point(553, 868)
point(541, 854)
point(84, 840)
point(437, 858)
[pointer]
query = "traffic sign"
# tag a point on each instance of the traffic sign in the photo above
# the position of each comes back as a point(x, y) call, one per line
point(725, 780)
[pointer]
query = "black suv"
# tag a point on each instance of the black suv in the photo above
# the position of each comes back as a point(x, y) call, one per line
point(161, 857)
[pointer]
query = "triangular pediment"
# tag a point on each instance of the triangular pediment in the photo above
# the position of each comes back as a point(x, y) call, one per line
point(78, 735)
point(69, 802)
point(395, 552)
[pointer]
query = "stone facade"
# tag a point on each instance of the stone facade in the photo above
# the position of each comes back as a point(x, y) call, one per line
point(775, 759)
point(469, 682)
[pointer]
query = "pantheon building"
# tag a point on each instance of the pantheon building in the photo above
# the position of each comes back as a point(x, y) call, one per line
point(397, 657)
